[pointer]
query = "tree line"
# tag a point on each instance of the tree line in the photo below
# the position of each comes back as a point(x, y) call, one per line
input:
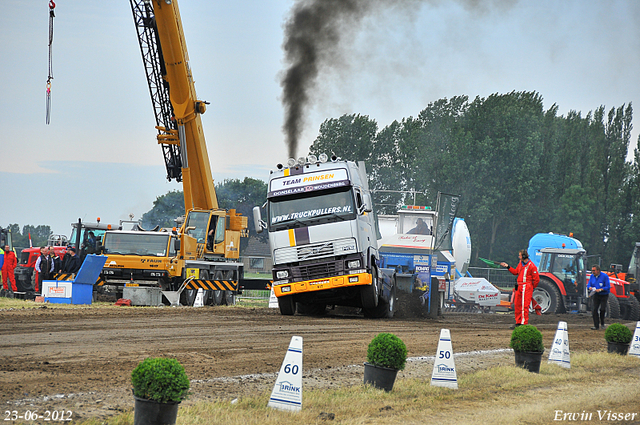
point(39, 235)
point(520, 169)
point(241, 195)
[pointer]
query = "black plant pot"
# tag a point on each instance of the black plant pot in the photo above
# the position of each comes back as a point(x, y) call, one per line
point(380, 377)
point(618, 348)
point(149, 412)
point(529, 360)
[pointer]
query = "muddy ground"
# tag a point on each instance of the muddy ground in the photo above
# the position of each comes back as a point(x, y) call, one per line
point(81, 359)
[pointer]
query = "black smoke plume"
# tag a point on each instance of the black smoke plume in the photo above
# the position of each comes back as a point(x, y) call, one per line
point(314, 34)
point(313, 30)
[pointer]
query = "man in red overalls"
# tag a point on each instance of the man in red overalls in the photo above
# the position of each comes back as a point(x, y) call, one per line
point(8, 268)
point(528, 279)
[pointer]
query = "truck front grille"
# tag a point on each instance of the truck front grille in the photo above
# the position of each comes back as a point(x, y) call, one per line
point(314, 251)
point(314, 271)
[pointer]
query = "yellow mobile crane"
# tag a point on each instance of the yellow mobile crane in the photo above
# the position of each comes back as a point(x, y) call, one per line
point(206, 246)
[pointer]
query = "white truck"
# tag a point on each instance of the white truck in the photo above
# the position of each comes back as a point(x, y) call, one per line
point(323, 237)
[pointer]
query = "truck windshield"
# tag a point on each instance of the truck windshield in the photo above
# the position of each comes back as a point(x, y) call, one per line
point(417, 224)
point(95, 235)
point(155, 245)
point(310, 209)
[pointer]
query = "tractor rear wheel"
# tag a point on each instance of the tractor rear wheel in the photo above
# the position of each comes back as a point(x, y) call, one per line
point(613, 307)
point(630, 309)
point(548, 297)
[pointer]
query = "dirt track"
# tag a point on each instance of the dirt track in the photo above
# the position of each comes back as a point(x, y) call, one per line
point(81, 359)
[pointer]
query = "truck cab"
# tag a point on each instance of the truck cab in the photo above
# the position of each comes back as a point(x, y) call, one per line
point(322, 235)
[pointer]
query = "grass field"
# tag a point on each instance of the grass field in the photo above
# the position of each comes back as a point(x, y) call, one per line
point(599, 388)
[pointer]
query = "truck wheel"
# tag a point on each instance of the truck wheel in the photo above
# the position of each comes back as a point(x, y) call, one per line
point(217, 295)
point(630, 309)
point(384, 309)
point(188, 297)
point(287, 305)
point(207, 296)
point(548, 297)
point(228, 297)
point(613, 307)
point(369, 293)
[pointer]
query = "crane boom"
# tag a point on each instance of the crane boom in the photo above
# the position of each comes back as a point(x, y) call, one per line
point(173, 94)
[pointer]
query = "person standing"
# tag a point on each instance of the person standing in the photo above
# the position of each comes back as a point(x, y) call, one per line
point(57, 262)
point(8, 269)
point(44, 267)
point(599, 287)
point(74, 263)
point(528, 279)
point(2, 291)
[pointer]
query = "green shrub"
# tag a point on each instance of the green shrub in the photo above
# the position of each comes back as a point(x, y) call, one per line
point(160, 379)
point(526, 338)
point(617, 332)
point(387, 350)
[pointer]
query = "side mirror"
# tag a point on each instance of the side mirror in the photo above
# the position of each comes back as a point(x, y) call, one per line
point(257, 220)
point(367, 205)
point(176, 244)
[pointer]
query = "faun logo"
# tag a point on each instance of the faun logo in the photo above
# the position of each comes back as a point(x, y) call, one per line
point(149, 260)
point(289, 387)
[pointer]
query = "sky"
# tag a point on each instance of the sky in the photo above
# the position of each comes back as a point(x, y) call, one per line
point(98, 157)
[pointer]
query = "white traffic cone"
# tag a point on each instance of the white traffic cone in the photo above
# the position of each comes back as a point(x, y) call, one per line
point(287, 391)
point(273, 300)
point(199, 301)
point(560, 349)
point(444, 368)
point(634, 350)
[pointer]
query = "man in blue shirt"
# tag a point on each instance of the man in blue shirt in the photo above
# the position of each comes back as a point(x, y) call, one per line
point(599, 288)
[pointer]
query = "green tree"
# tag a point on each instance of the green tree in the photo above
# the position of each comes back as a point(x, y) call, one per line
point(243, 195)
point(166, 208)
point(39, 234)
point(19, 240)
point(501, 164)
point(349, 137)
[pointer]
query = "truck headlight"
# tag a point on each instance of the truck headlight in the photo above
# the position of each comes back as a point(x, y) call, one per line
point(282, 274)
point(285, 289)
point(353, 264)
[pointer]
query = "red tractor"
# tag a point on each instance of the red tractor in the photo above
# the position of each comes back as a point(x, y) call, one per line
point(563, 286)
point(88, 238)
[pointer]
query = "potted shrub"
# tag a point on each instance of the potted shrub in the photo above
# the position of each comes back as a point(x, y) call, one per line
point(526, 341)
point(618, 338)
point(159, 385)
point(386, 355)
